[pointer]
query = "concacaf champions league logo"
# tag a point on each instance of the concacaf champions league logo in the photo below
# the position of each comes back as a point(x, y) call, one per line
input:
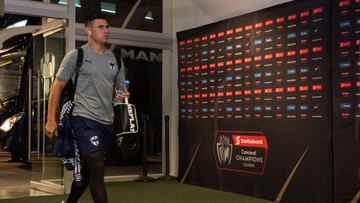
point(224, 150)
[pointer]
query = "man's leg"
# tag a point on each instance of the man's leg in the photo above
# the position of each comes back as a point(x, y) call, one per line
point(95, 163)
point(77, 190)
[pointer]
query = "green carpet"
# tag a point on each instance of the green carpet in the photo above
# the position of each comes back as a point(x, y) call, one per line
point(157, 192)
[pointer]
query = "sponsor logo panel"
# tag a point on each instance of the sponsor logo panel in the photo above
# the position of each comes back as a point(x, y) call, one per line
point(240, 151)
point(239, 70)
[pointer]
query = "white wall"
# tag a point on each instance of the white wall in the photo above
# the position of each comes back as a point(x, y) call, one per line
point(187, 14)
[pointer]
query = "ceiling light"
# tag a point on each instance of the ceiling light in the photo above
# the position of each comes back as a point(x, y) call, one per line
point(149, 16)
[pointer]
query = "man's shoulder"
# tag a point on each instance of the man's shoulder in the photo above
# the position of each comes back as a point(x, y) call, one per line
point(109, 52)
point(72, 53)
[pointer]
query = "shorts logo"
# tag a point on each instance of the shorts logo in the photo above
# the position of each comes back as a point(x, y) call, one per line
point(111, 65)
point(94, 140)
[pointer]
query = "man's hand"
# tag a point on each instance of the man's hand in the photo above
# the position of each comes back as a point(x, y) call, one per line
point(51, 128)
point(51, 124)
point(121, 96)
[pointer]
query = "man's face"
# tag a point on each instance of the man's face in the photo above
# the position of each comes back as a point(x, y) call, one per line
point(99, 30)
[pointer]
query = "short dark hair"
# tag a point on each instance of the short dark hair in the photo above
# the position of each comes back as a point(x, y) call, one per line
point(89, 19)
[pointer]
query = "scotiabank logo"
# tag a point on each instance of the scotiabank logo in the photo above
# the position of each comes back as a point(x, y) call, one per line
point(250, 141)
point(240, 151)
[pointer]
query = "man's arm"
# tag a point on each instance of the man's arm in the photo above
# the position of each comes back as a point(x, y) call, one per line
point(54, 98)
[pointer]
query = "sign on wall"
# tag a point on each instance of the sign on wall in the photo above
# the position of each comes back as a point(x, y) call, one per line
point(255, 103)
point(240, 151)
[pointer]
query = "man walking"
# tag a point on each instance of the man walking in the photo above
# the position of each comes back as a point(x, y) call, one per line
point(93, 112)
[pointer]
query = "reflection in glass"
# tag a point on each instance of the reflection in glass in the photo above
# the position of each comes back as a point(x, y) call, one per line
point(10, 75)
point(51, 50)
point(11, 67)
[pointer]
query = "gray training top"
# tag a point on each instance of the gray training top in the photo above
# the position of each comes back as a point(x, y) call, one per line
point(94, 91)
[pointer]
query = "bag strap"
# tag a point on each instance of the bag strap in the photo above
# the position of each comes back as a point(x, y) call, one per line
point(119, 68)
point(79, 62)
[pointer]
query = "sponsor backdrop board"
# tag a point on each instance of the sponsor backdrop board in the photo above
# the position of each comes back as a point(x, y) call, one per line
point(346, 92)
point(255, 105)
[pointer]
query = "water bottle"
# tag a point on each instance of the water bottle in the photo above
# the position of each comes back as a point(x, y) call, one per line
point(122, 89)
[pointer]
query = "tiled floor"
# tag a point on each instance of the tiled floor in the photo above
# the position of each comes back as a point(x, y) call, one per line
point(15, 177)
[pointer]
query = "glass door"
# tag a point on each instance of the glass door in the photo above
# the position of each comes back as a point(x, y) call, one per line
point(49, 49)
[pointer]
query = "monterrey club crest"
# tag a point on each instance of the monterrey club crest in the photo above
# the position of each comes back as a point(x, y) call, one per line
point(94, 140)
point(111, 64)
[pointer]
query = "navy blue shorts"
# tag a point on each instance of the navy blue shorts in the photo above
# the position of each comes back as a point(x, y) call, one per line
point(92, 135)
